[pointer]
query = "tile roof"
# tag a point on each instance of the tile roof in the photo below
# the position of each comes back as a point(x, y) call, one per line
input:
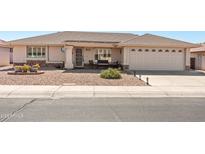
point(154, 40)
point(71, 36)
point(121, 39)
point(199, 49)
point(3, 43)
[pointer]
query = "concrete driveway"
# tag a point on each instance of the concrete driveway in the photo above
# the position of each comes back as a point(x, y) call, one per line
point(174, 79)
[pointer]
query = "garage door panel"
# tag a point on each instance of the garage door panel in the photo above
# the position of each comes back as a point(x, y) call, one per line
point(156, 60)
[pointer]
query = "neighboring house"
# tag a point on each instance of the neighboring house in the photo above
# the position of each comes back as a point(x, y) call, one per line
point(198, 58)
point(4, 53)
point(78, 49)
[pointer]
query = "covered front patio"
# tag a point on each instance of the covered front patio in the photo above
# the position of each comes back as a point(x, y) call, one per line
point(90, 56)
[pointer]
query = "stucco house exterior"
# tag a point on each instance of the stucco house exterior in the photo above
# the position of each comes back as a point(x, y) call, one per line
point(78, 49)
point(4, 53)
point(198, 58)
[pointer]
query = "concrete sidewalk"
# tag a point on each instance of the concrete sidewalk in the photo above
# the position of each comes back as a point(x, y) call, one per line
point(98, 91)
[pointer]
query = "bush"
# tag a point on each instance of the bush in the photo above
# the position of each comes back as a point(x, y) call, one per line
point(26, 68)
point(110, 73)
point(18, 68)
point(37, 66)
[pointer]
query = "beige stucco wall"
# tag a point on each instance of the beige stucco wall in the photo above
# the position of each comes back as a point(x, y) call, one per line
point(88, 54)
point(193, 55)
point(19, 54)
point(187, 57)
point(203, 62)
point(69, 57)
point(199, 60)
point(125, 56)
point(4, 56)
point(116, 55)
point(55, 54)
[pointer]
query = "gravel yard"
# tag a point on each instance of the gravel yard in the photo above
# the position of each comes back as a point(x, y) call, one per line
point(60, 77)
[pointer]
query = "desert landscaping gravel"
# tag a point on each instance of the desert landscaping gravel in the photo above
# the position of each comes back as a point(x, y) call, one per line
point(60, 77)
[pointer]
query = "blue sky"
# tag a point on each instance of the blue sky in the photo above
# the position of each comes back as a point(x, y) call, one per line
point(190, 36)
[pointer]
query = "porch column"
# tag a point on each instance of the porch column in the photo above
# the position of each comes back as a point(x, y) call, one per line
point(187, 58)
point(125, 58)
point(69, 57)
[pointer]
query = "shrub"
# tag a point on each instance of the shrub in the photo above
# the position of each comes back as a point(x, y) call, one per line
point(18, 68)
point(110, 73)
point(37, 66)
point(26, 68)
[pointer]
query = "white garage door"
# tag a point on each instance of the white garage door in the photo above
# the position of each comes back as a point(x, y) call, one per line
point(153, 59)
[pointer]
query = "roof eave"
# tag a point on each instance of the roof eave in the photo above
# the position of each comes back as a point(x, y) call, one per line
point(197, 51)
point(164, 46)
point(35, 44)
point(90, 44)
point(6, 45)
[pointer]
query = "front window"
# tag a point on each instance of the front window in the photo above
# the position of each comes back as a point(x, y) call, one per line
point(29, 52)
point(36, 52)
point(103, 54)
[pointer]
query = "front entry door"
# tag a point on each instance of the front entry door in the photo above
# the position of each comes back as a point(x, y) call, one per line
point(79, 57)
point(193, 60)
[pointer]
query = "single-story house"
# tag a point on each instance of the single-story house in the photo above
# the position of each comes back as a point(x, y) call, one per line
point(198, 58)
point(79, 49)
point(4, 53)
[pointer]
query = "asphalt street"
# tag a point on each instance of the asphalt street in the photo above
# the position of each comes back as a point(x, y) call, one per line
point(103, 110)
